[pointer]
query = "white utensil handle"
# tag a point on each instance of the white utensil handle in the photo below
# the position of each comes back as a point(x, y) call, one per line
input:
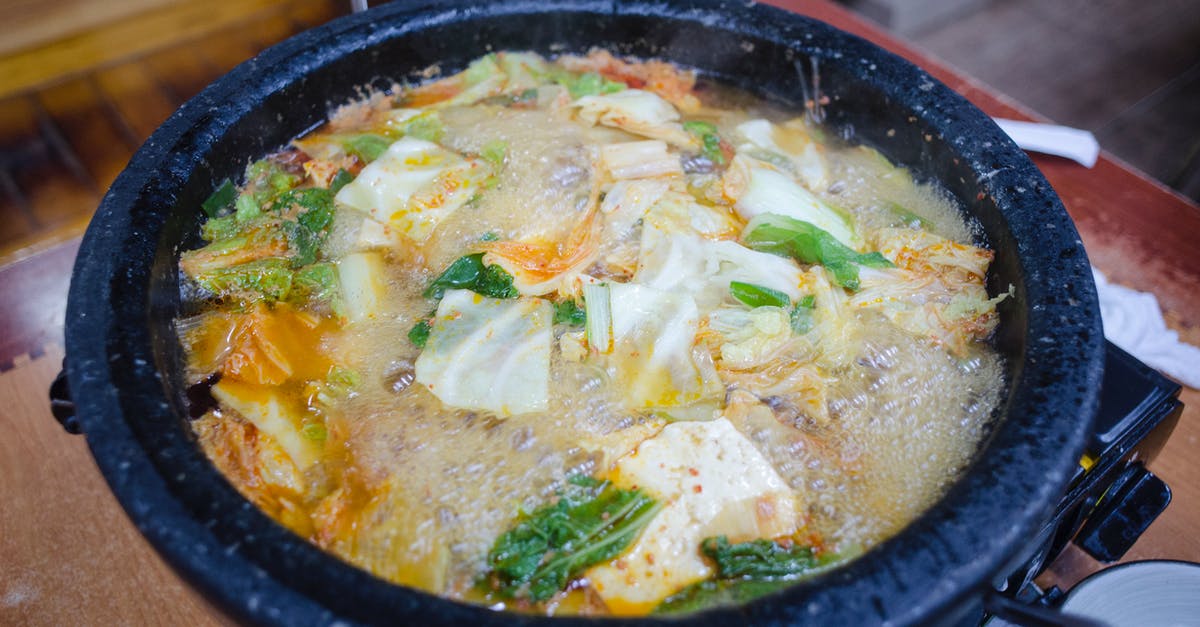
point(1073, 143)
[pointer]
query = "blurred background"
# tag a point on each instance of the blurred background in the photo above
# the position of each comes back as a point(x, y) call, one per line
point(84, 82)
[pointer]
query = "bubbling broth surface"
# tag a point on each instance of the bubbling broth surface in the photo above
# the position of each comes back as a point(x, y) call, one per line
point(580, 337)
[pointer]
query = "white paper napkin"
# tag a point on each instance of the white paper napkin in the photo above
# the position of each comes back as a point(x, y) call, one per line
point(1133, 321)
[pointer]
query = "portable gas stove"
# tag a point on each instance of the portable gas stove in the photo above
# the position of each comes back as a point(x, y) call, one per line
point(1112, 499)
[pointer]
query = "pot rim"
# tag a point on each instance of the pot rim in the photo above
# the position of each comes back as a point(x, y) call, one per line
point(950, 551)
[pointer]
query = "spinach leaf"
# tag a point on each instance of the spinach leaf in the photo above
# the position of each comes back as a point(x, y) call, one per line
point(303, 243)
point(569, 312)
point(758, 296)
point(496, 282)
point(419, 334)
point(806, 243)
point(340, 180)
point(711, 593)
point(306, 234)
point(462, 274)
point(591, 521)
point(746, 571)
point(759, 559)
point(470, 273)
point(220, 200)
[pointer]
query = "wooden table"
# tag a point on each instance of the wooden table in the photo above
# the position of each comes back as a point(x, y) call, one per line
point(69, 556)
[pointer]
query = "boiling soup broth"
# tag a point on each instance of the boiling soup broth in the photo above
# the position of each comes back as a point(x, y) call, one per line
point(581, 336)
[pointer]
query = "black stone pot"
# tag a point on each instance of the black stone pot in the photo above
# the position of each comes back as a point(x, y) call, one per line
point(124, 364)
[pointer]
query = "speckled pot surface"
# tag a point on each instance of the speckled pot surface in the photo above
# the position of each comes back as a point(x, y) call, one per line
point(124, 364)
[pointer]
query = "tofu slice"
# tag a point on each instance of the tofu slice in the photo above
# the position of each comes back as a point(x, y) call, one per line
point(713, 482)
point(489, 354)
point(413, 186)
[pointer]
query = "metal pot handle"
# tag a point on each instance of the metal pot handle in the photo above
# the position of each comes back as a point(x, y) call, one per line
point(61, 404)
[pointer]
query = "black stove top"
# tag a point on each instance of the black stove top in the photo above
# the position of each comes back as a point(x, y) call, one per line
point(1113, 498)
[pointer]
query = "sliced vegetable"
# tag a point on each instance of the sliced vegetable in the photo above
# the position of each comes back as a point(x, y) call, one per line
point(598, 316)
point(752, 337)
point(462, 274)
point(315, 431)
point(590, 84)
point(639, 160)
point(495, 152)
point(758, 296)
point(489, 354)
point(758, 188)
point(413, 186)
point(315, 204)
point(247, 209)
point(340, 180)
point(714, 593)
point(363, 281)
point(303, 243)
point(367, 146)
point(759, 559)
point(569, 313)
point(697, 127)
point(802, 315)
point(427, 127)
point(216, 229)
point(710, 142)
point(495, 282)
point(269, 278)
point(470, 273)
point(691, 264)
point(636, 111)
point(318, 284)
point(268, 179)
point(806, 243)
point(273, 414)
point(590, 522)
point(789, 146)
point(906, 218)
point(221, 199)
point(746, 571)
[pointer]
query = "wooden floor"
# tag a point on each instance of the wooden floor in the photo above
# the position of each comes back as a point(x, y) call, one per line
point(62, 145)
point(1127, 70)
